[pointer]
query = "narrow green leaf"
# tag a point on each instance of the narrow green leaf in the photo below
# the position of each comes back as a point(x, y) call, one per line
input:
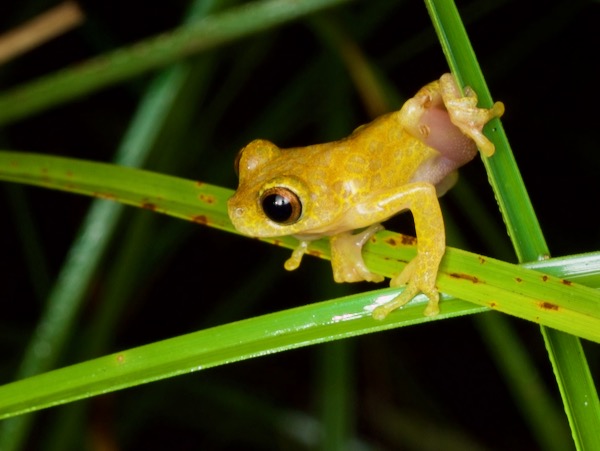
point(302, 326)
point(184, 199)
point(521, 222)
point(505, 287)
point(578, 390)
point(152, 53)
point(531, 395)
point(64, 301)
point(516, 208)
point(293, 328)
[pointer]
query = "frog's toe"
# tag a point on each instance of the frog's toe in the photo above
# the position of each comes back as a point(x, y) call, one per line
point(402, 299)
point(465, 114)
point(418, 279)
point(432, 309)
point(355, 273)
point(295, 259)
point(406, 275)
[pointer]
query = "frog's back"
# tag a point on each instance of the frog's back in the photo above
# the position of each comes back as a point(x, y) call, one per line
point(384, 152)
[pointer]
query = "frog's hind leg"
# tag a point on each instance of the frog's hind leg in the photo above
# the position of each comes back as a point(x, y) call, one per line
point(465, 114)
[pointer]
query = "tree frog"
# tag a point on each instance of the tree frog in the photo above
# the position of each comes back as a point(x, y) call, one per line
point(402, 160)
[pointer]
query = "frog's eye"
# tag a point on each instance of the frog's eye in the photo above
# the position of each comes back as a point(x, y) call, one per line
point(281, 205)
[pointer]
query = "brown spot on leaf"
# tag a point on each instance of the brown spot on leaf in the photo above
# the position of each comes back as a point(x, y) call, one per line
point(107, 196)
point(544, 277)
point(518, 280)
point(199, 183)
point(457, 275)
point(207, 198)
point(120, 358)
point(149, 206)
point(404, 239)
point(200, 219)
point(481, 259)
point(566, 282)
point(548, 305)
point(492, 304)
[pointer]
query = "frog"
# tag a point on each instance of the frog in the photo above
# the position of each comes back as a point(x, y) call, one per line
point(343, 190)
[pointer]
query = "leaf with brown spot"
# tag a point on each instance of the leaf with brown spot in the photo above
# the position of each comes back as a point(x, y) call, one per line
point(391, 241)
point(578, 305)
point(464, 276)
point(200, 219)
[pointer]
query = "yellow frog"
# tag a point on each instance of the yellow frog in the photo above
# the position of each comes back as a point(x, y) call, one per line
point(403, 160)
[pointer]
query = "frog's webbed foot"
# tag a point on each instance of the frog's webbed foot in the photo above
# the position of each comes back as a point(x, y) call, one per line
point(419, 276)
point(346, 256)
point(465, 114)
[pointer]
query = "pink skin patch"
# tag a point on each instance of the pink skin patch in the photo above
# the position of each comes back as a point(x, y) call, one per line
point(446, 138)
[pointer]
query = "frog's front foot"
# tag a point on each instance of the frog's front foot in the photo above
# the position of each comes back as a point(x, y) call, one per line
point(294, 261)
point(419, 277)
point(346, 256)
point(465, 114)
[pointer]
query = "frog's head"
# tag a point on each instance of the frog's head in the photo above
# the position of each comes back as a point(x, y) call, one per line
point(269, 200)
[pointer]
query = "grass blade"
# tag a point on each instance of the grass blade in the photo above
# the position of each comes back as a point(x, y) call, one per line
point(88, 249)
point(522, 225)
point(152, 53)
point(288, 329)
point(505, 287)
point(516, 208)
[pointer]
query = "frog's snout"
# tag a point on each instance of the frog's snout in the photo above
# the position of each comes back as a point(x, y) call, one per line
point(238, 216)
point(235, 211)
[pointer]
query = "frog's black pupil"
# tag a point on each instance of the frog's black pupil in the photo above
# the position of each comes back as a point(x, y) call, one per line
point(277, 207)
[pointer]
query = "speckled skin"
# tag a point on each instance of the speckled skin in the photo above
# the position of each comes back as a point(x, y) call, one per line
point(401, 161)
